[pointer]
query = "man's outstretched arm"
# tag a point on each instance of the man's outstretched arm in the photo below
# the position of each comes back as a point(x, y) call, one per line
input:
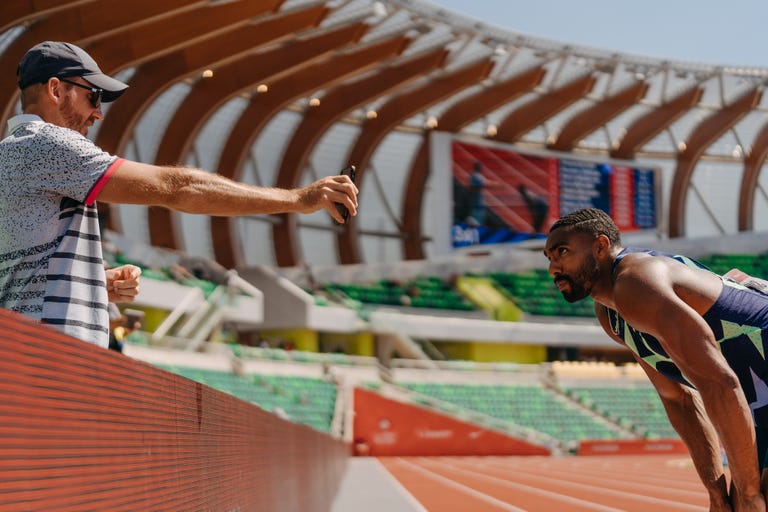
point(193, 190)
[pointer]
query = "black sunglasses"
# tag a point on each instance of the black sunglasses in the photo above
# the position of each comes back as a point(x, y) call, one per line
point(94, 97)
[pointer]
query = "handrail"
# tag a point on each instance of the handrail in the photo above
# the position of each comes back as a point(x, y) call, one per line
point(194, 295)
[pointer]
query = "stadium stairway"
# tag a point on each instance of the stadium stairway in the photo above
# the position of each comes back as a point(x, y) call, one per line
point(483, 293)
point(199, 323)
point(621, 394)
point(391, 341)
point(613, 423)
point(635, 409)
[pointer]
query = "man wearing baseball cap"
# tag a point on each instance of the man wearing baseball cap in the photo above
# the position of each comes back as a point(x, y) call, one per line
point(51, 266)
point(64, 60)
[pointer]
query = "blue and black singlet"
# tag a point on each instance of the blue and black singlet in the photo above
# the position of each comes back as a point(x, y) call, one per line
point(739, 321)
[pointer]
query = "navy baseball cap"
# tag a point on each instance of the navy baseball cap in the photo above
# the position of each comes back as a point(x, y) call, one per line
point(62, 60)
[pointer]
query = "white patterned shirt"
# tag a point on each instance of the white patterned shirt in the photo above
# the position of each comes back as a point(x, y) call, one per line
point(51, 267)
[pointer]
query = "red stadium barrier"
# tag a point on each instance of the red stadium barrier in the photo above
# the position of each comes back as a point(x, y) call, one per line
point(385, 427)
point(632, 447)
point(82, 428)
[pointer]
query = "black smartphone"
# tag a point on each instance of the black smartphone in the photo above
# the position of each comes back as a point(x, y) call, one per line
point(348, 171)
point(132, 318)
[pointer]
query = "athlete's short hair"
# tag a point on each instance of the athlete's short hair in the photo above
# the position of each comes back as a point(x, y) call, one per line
point(590, 220)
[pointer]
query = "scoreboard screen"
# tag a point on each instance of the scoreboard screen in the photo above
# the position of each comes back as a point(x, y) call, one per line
point(505, 196)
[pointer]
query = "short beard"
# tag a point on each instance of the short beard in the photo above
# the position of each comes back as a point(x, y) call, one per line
point(586, 277)
point(72, 120)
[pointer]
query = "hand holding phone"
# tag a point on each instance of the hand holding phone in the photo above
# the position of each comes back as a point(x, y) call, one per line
point(348, 171)
point(134, 319)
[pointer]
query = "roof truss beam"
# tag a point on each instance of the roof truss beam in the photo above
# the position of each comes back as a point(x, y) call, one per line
point(395, 111)
point(597, 115)
point(705, 133)
point(228, 81)
point(335, 104)
point(459, 115)
point(532, 114)
point(646, 127)
point(263, 107)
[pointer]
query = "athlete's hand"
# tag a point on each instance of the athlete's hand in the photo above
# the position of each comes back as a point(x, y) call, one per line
point(719, 502)
point(754, 503)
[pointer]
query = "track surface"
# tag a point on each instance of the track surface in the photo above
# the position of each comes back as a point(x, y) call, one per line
point(551, 484)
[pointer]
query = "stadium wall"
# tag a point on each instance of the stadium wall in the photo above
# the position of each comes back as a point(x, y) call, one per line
point(84, 428)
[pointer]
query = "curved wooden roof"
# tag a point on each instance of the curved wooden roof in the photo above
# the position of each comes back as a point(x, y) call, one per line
point(384, 68)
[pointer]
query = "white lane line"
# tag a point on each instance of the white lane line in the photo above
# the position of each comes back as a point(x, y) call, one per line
point(462, 488)
point(644, 478)
point(593, 488)
point(577, 476)
point(535, 490)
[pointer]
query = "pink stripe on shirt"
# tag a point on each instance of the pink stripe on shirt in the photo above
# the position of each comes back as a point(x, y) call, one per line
point(96, 190)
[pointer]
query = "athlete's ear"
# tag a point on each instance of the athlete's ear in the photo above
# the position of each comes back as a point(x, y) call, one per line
point(601, 246)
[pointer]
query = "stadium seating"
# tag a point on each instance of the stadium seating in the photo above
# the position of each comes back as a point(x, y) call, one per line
point(529, 406)
point(621, 393)
point(531, 291)
point(564, 401)
point(421, 292)
point(312, 400)
point(638, 408)
point(535, 294)
point(299, 356)
point(753, 264)
point(303, 400)
point(627, 409)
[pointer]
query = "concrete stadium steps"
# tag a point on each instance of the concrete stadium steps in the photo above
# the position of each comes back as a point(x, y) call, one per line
point(481, 291)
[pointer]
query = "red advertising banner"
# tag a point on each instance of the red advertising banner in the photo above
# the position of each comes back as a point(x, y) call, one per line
point(387, 427)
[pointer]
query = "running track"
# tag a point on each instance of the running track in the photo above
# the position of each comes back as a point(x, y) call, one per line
point(550, 484)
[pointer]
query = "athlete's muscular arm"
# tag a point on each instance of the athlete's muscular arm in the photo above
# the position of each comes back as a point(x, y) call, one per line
point(649, 295)
point(687, 416)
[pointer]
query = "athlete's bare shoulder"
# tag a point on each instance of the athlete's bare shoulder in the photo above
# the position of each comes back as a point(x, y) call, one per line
point(698, 287)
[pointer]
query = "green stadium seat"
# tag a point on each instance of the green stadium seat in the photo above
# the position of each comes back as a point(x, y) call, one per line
point(528, 406)
point(638, 407)
point(309, 401)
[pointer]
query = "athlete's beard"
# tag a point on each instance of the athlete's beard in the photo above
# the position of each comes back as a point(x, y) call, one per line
point(581, 285)
point(73, 120)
